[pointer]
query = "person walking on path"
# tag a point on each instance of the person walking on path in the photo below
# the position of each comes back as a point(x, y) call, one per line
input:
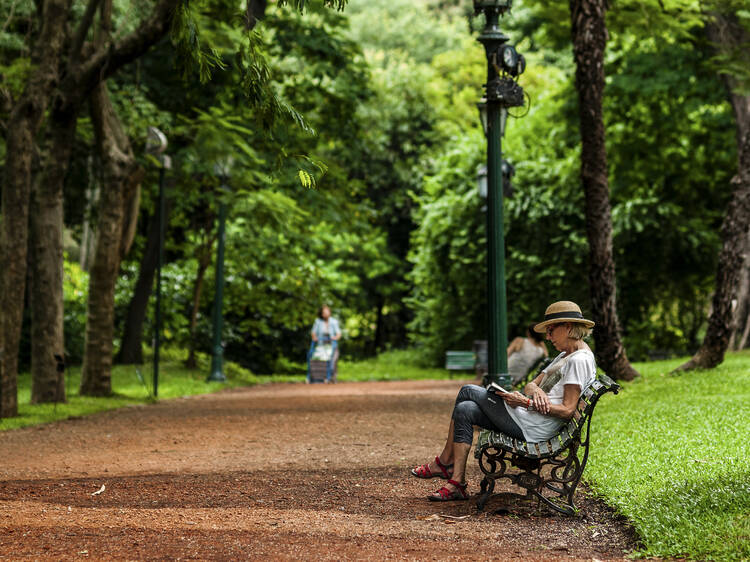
point(536, 415)
point(325, 332)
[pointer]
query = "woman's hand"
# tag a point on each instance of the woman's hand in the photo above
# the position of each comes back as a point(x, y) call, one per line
point(539, 399)
point(515, 399)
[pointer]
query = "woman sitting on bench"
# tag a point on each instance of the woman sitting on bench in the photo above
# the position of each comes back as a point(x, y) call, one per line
point(549, 400)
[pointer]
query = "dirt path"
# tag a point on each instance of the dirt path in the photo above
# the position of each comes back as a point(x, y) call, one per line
point(276, 471)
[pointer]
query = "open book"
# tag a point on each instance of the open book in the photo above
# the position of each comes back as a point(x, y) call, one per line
point(494, 387)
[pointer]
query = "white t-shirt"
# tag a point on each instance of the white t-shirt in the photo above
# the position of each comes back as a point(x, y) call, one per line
point(579, 368)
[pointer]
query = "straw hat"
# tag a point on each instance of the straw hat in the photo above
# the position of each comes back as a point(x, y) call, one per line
point(562, 311)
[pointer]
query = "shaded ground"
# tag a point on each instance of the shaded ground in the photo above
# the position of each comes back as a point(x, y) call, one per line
point(278, 471)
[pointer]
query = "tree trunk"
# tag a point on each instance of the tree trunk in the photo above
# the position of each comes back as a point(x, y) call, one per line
point(729, 37)
point(121, 177)
point(88, 236)
point(203, 263)
point(743, 300)
point(47, 340)
point(25, 118)
point(15, 206)
point(589, 41)
point(731, 259)
point(131, 351)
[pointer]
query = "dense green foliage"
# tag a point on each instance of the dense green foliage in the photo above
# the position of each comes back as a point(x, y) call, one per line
point(671, 152)
point(354, 149)
point(671, 454)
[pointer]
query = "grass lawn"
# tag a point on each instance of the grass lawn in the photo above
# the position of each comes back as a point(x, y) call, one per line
point(672, 454)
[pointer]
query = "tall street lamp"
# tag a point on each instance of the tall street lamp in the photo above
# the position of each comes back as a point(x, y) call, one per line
point(501, 92)
point(156, 144)
point(221, 169)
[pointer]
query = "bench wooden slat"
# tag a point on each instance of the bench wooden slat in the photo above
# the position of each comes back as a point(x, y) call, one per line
point(533, 450)
point(572, 426)
point(555, 443)
point(544, 447)
point(565, 436)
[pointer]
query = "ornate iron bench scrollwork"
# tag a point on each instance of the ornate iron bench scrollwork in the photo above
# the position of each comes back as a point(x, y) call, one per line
point(550, 470)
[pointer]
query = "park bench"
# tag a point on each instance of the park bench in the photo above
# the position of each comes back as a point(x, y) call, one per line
point(549, 471)
point(459, 361)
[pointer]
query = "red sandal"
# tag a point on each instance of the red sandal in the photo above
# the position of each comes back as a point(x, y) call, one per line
point(446, 495)
point(423, 471)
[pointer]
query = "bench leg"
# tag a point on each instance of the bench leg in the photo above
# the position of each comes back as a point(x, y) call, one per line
point(486, 488)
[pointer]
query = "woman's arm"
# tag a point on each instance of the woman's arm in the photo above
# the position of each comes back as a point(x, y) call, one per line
point(313, 333)
point(335, 335)
point(572, 392)
point(570, 400)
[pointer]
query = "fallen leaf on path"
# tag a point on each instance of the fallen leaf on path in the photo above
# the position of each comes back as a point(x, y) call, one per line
point(443, 517)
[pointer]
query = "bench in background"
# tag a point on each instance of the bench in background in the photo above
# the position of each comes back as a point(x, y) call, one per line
point(459, 361)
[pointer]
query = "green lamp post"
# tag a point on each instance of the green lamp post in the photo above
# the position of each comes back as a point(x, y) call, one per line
point(501, 92)
point(217, 358)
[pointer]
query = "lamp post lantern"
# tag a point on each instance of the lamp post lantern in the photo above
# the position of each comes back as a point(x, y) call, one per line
point(501, 92)
point(156, 144)
point(217, 357)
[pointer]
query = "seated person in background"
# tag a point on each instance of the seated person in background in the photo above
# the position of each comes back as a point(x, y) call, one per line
point(523, 354)
point(537, 415)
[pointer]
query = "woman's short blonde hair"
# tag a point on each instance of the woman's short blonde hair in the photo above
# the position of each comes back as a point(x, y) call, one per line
point(578, 331)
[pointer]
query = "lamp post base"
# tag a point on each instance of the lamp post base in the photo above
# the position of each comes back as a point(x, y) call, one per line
point(502, 379)
point(216, 376)
point(217, 370)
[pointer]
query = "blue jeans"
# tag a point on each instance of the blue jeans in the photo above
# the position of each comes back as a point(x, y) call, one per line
point(329, 367)
point(472, 408)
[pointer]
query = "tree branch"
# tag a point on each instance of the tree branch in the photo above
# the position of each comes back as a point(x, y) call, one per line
point(82, 30)
point(256, 10)
point(112, 56)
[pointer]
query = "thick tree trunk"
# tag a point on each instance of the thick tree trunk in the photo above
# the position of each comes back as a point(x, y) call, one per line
point(15, 206)
point(589, 41)
point(23, 124)
point(47, 340)
point(731, 259)
point(131, 350)
point(121, 177)
point(729, 37)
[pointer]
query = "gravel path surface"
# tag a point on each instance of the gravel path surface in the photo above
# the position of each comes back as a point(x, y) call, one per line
point(276, 471)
